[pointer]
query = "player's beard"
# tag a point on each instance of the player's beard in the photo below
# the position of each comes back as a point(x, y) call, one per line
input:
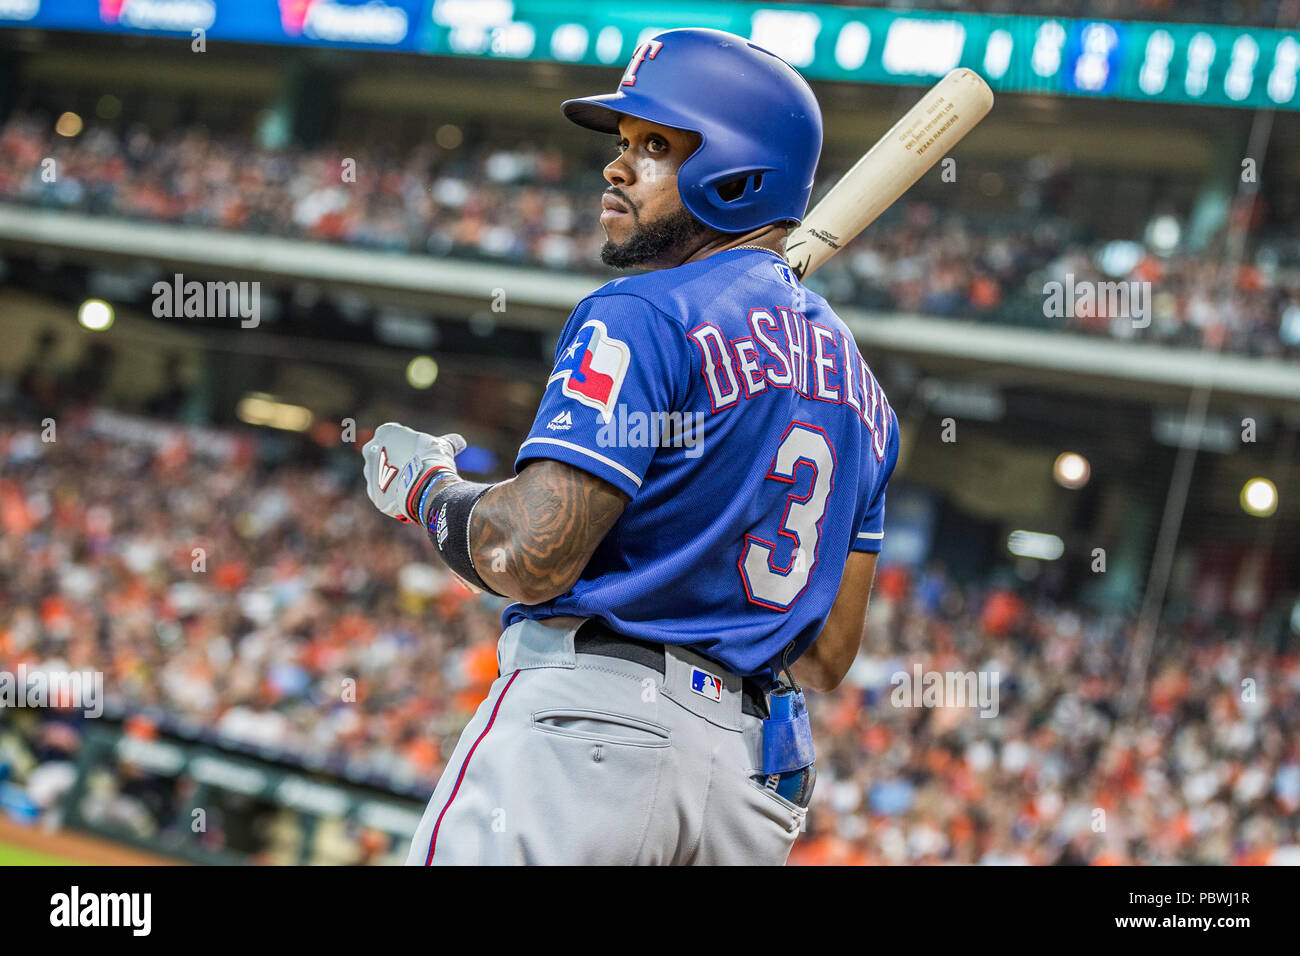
point(654, 242)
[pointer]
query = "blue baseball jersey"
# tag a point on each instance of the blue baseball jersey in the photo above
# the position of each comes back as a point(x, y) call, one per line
point(734, 409)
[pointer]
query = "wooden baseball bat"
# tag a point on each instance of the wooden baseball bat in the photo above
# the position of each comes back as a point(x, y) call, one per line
point(916, 142)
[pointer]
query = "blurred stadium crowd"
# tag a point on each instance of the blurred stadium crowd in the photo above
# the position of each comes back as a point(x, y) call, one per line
point(1061, 775)
point(538, 206)
point(270, 605)
point(309, 625)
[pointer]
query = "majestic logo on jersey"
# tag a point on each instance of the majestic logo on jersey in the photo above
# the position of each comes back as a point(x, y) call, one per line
point(705, 684)
point(592, 368)
point(387, 472)
point(561, 422)
point(786, 274)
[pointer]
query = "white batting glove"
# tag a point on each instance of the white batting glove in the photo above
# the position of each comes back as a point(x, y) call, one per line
point(402, 464)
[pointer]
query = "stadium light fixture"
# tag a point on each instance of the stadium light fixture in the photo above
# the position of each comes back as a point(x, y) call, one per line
point(449, 136)
point(95, 315)
point(421, 372)
point(260, 409)
point(1035, 544)
point(109, 107)
point(1163, 234)
point(68, 124)
point(1071, 470)
point(1259, 497)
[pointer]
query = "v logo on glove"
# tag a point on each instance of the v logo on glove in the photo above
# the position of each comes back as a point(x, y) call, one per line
point(387, 472)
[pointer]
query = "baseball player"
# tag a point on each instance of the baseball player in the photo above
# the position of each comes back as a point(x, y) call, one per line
point(691, 536)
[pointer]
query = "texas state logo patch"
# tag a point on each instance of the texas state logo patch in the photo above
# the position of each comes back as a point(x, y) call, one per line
point(591, 370)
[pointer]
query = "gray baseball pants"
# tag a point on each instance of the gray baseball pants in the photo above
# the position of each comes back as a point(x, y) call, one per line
point(585, 759)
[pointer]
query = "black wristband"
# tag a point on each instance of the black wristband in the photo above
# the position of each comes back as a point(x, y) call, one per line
point(449, 514)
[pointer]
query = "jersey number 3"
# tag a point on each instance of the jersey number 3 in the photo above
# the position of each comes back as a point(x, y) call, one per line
point(765, 583)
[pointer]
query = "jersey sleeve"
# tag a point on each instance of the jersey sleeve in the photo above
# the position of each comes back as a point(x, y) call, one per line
point(620, 363)
point(871, 532)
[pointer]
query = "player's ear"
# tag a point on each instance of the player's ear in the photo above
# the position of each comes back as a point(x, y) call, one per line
point(692, 141)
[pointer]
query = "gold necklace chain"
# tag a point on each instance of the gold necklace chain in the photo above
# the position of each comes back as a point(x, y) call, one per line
point(762, 249)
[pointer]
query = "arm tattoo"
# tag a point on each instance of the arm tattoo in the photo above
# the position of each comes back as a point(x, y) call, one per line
point(531, 536)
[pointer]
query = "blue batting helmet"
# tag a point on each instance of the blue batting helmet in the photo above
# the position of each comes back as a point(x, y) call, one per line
point(758, 118)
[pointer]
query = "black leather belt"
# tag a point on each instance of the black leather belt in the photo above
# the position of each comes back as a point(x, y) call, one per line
point(594, 637)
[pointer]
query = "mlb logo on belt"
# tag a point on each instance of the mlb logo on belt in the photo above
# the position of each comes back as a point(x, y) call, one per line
point(592, 368)
point(705, 684)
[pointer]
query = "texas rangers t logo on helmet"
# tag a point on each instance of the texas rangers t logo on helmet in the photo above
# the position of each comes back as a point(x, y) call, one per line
point(646, 51)
point(592, 368)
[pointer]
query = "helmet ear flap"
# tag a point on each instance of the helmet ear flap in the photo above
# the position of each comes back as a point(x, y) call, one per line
point(734, 189)
point(737, 188)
